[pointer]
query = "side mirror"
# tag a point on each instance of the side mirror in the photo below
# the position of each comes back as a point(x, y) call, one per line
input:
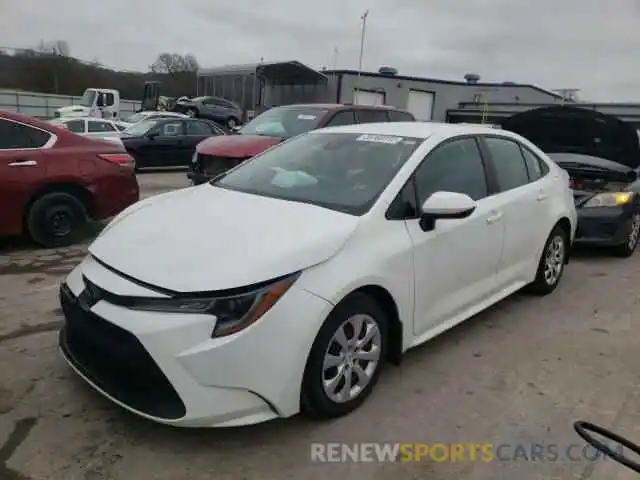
point(445, 206)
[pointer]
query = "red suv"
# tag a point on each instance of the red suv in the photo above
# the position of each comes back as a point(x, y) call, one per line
point(52, 180)
point(217, 154)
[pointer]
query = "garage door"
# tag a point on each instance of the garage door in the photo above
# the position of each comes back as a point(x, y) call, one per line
point(369, 98)
point(421, 104)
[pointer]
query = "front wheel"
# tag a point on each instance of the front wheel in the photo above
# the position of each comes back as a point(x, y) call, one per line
point(628, 248)
point(346, 358)
point(192, 112)
point(551, 264)
point(232, 123)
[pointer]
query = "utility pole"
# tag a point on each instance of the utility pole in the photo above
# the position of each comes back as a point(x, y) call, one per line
point(335, 58)
point(362, 36)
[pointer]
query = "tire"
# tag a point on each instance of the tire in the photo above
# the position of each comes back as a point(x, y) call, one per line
point(628, 248)
point(316, 403)
point(56, 219)
point(548, 276)
point(192, 112)
point(232, 123)
point(136, 163)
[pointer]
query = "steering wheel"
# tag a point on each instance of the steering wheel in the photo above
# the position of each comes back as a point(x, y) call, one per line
point(583, 429)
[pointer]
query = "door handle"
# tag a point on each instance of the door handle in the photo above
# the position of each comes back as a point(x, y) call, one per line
point(24, 163)
point(494, 218)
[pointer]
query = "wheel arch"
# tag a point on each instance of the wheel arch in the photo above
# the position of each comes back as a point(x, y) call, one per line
point(388, 304)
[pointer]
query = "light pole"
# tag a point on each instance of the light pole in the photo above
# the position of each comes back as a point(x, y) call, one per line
point(364, 29)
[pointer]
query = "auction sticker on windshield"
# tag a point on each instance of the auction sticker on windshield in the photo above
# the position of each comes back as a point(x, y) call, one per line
point(379, 139)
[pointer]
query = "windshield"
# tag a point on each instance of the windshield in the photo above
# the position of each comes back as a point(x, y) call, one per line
point(87, 98)
point(141, 128)
point(340, 171)
point(284, 122)
point(137, 117)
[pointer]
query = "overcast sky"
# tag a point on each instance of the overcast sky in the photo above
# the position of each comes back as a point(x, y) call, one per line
point(586, 44)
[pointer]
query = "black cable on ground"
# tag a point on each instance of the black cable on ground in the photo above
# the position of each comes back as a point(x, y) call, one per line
point(582, 429)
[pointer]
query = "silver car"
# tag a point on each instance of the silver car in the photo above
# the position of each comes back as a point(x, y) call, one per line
point(224, 112)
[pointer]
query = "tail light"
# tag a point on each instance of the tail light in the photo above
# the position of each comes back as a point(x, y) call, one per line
point(120, 159)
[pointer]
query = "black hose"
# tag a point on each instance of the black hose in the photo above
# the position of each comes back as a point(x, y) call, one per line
point(582, 428)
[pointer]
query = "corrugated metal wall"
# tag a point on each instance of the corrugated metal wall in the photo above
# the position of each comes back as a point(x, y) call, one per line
point(43, 105)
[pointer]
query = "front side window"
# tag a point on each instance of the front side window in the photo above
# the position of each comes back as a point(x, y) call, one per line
point(15, 135)
point(455, 166)
point(284, 122)
point(198, 128)
point(171, 129)
point(340, 171)
point(75, 126)
point(511, 171)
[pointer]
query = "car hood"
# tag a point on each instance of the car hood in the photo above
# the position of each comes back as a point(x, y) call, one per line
point(73, 111)
point(207, 238)
point(236, 146)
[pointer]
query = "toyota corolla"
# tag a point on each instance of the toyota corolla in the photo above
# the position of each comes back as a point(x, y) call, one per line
point(287, 283)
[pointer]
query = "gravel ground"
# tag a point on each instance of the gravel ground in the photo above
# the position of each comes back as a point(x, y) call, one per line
point(519, 374)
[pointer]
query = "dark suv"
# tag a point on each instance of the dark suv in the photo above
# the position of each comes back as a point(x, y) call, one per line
point(217, 154)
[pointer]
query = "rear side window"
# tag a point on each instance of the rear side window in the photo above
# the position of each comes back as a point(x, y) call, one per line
point(98, 127)
point(16, 136)
point(398, 116)
point(75, 126)
point(372, 116)
point(346, 117)
point(511, 171)
point(535, 166)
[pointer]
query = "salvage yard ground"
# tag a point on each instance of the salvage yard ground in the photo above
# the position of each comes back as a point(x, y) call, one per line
point(520, 373)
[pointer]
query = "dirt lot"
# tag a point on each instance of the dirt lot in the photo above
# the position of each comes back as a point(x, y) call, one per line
point(518, 374)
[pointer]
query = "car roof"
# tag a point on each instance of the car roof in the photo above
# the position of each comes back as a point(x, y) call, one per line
point(418, 129)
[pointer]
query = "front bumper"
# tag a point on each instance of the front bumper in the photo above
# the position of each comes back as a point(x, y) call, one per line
point(603, 226)
point(165, 367)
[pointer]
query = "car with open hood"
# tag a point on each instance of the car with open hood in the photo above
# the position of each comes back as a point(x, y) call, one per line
point(214, 156)
point(602, 156)
point(286, 284)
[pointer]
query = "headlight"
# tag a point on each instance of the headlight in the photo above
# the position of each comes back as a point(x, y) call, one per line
point(609, 200)
point(233, 312)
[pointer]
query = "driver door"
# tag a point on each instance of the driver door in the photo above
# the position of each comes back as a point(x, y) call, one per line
point(456, 264)
point(166, 149)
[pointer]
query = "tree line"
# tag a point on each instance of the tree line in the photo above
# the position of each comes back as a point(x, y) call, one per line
point(50, 68)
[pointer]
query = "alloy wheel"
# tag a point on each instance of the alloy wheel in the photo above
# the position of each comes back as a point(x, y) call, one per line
point(554, 260)
point(352, 358)
point(634, 233)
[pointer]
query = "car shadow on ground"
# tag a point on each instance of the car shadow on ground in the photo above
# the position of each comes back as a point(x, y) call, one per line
point(23, 244)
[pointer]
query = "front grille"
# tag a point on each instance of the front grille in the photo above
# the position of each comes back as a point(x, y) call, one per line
point(213, 165)
point(115, 360)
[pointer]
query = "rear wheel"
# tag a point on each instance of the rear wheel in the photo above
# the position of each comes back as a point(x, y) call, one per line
point(628, 248)
point(232, 123)
point(346, 358)
point(551, 264)
point(56, 219)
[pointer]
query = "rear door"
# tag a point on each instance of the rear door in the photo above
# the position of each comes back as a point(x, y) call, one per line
point(526, 225)
point(195, 132)
point(22, 166)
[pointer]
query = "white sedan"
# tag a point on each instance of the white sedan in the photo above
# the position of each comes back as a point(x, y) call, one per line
point(286, 284)
point(148, 115)
point(97, 128)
